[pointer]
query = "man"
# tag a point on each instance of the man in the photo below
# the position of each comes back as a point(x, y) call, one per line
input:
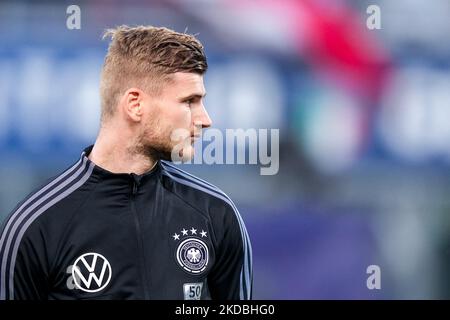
point(122, 223)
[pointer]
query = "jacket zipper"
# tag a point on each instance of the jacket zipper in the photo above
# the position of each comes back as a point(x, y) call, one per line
point(139, 238)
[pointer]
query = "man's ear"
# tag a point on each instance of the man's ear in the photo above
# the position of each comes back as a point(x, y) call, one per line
point(133, 103)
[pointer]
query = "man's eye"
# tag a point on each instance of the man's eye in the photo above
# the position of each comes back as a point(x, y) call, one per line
point(189, 102)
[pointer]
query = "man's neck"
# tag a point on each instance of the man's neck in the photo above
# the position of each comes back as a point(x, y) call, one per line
point(115, 155)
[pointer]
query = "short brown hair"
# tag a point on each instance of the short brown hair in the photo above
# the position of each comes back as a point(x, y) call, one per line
point(143, 57)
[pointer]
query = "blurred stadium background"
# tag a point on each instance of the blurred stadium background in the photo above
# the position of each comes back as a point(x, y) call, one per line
point(364, 119)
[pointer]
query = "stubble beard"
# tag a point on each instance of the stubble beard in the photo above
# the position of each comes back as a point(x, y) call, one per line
point(153, 147)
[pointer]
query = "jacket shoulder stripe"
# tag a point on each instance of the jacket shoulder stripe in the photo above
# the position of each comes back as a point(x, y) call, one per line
point(192, 181)
point(22, 218)
point(175, 170)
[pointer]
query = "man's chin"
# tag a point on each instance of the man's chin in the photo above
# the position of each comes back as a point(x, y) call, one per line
point(184, 155)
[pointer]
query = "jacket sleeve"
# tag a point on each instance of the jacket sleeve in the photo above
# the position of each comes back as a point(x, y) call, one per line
point(23, 273)
point(231, 278)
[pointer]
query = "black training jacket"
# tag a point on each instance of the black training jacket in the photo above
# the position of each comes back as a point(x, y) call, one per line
point(93, 234)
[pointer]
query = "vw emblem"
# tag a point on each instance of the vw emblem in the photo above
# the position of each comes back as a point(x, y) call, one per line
point(88, 267)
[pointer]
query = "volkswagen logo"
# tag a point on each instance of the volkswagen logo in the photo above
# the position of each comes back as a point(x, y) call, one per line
point(91, 272)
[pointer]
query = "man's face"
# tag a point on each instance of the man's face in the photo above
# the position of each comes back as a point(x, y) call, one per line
point(177, 109)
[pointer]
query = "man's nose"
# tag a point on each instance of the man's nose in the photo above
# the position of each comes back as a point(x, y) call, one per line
point(203, 118)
